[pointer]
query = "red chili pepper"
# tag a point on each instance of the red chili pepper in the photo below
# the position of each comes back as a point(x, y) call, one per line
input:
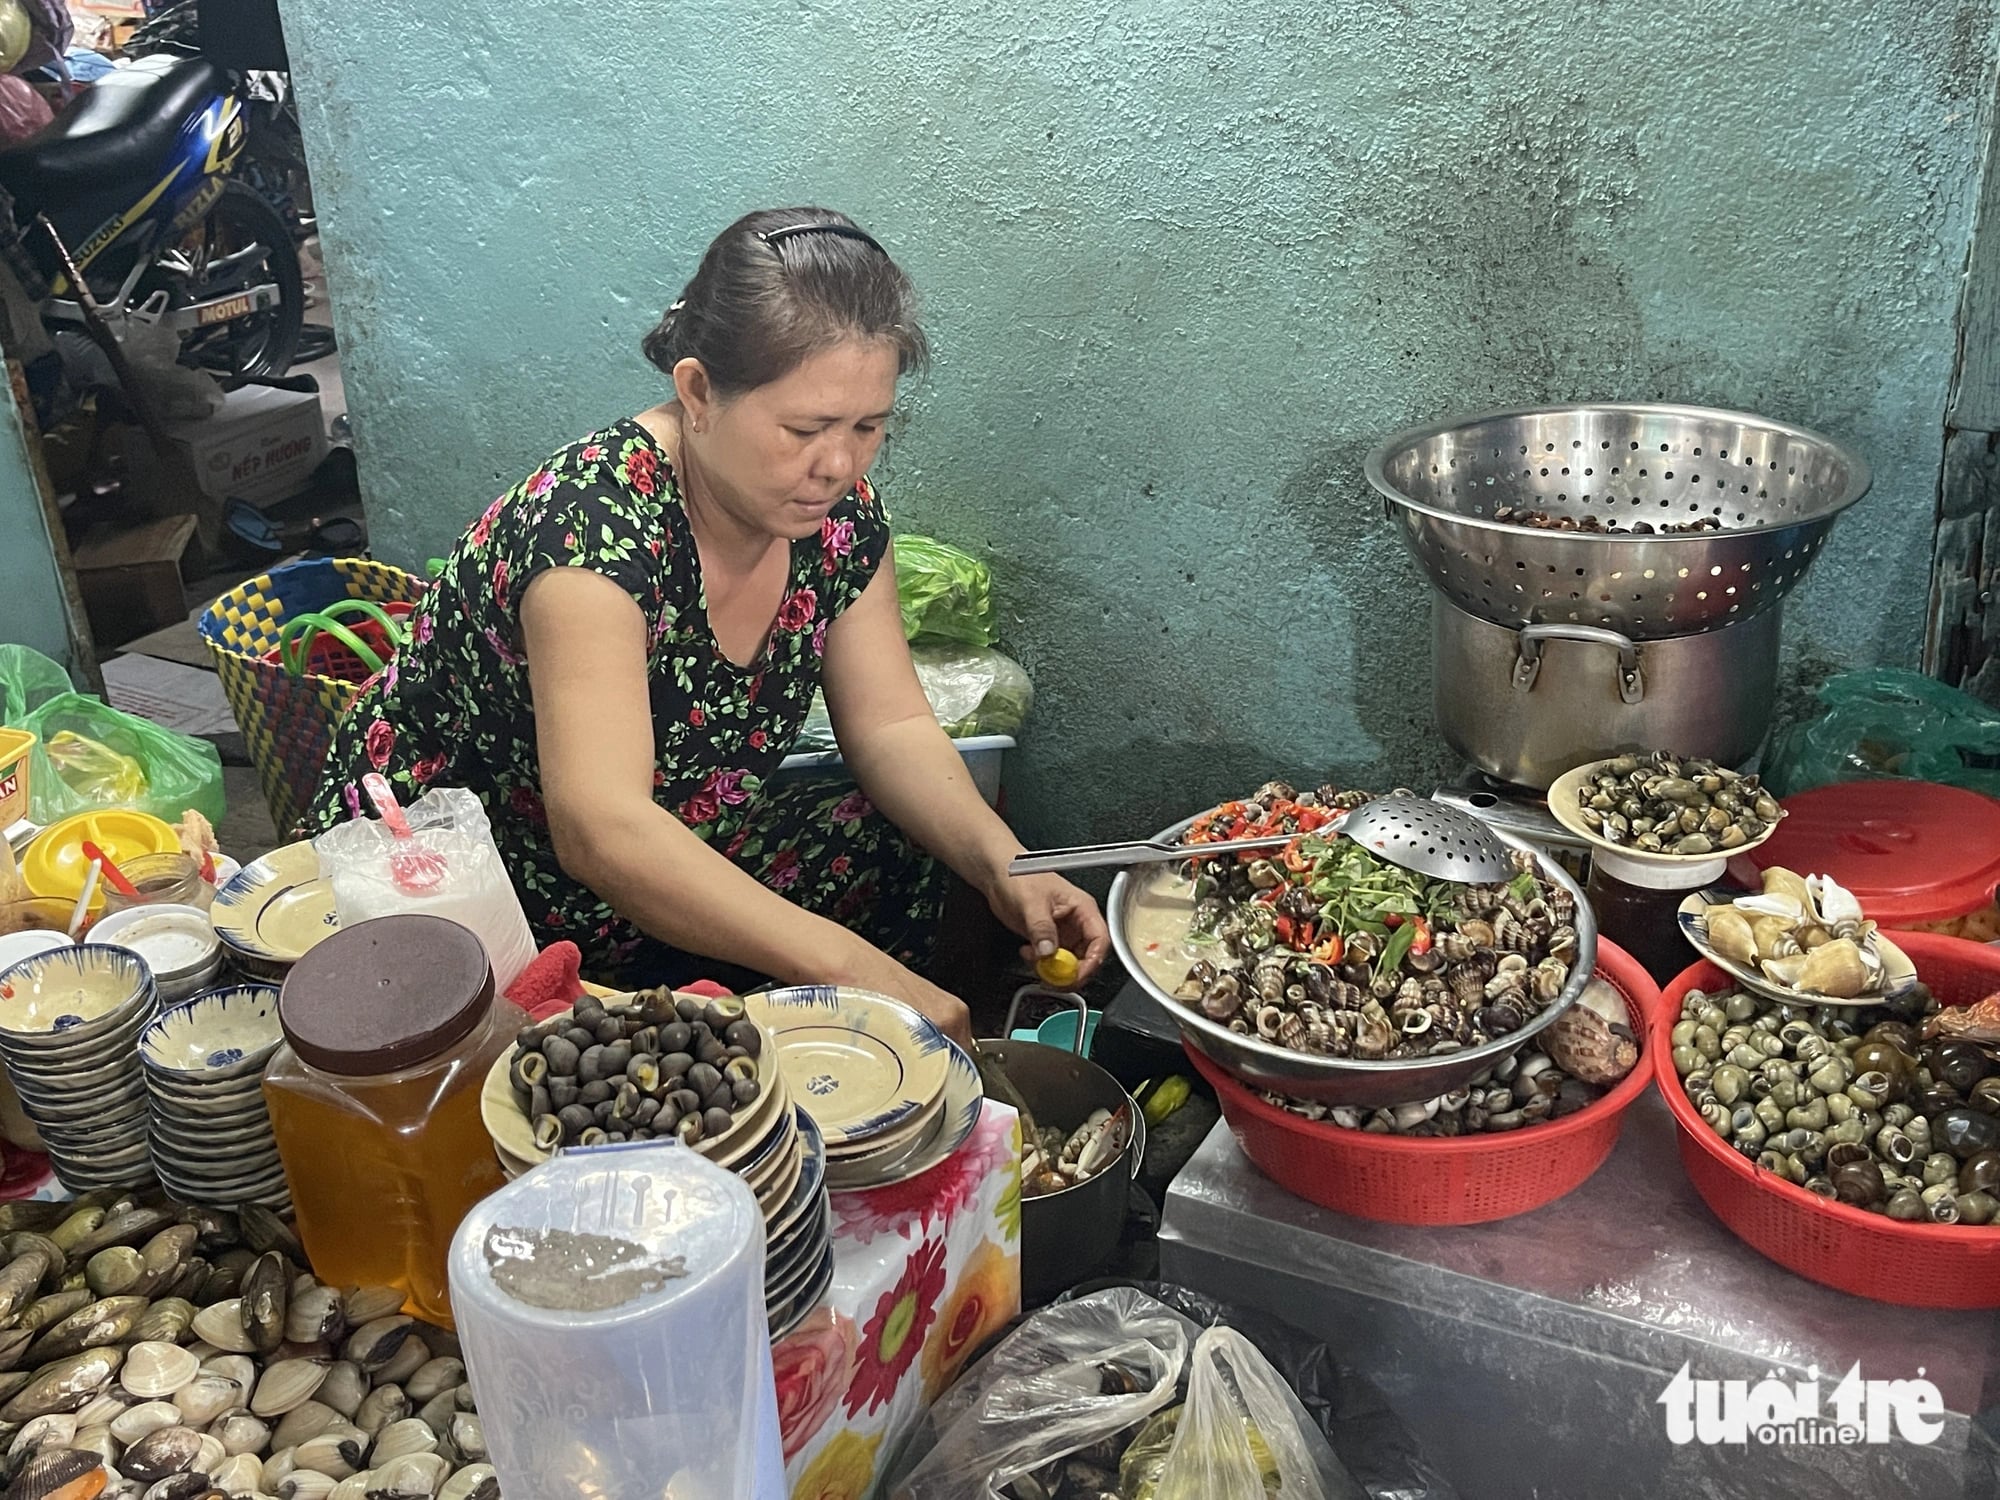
point(1284, 927)
point(1392, 920)
point(1307, 931)
point(1422, 942)
point(1310, 819)
point(1329, 951)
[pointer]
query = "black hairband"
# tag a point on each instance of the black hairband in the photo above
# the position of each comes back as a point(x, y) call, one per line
point(776, 237)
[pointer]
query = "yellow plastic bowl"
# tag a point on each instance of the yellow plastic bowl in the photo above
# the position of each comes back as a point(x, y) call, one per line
point(55, 865)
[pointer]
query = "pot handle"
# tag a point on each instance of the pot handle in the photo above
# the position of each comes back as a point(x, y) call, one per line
point(1528, 663)
point(1067, 998)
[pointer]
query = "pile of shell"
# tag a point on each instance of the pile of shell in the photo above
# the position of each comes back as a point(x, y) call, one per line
point(164, 1352)
point(661, 1066)
point(1885, 1111)
point(1542, 520)
point(1500, 957)
point(1662, 804)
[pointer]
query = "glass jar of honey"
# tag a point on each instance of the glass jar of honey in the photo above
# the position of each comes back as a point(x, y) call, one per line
point(390, 1029)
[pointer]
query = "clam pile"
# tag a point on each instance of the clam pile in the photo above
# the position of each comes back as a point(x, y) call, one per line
point(164, 1352)
point(1893, 1110)
point(1662, 804)
point(1803, 933)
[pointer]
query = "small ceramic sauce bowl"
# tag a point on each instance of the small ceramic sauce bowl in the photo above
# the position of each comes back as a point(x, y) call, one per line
point(69, 994)
point(178, 943)
point(219, 1036)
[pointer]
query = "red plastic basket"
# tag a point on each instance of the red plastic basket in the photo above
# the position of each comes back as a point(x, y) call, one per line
point(1870, 1255)
point(1467, 1179)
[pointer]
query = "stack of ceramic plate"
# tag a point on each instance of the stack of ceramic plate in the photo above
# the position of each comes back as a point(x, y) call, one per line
point(69, 1026)
point(891, 1094)
point(204, 1068)
point(798, 1236)
point(273, 909)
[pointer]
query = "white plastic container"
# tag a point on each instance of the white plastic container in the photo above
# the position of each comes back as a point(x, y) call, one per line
point(667, 1389)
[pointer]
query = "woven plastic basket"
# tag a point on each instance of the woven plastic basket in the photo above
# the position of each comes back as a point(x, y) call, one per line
point(1466, 1179)
point(1870, 1255)
point(288, 721)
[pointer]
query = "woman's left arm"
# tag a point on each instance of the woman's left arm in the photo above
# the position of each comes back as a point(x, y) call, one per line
point(909, 768)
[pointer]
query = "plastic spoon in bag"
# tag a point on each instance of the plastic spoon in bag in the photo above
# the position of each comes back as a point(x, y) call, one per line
point(413, 867)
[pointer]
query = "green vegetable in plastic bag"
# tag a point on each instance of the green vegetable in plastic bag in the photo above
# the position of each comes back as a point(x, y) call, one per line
point(946, 594)
point(1889, 724)
point(972, 690)
point(92, 755)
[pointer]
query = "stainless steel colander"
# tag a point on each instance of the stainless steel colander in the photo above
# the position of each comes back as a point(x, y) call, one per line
point(1773, 491)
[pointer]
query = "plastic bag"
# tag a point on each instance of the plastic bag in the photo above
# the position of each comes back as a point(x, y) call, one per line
point(1241, 1432)
point(94, 770)
point(23, 112)
point(973, 690)
point(92, 755)
point(475, 891)
point(946, 594)
point(944, 1456)
point(1069, 1377)
point(1889, 724)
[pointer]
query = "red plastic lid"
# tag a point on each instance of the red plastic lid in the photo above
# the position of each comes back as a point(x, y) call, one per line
point(1911, 851)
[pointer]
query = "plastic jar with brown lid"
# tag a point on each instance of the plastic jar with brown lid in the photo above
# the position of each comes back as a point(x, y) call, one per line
point(390, 1029)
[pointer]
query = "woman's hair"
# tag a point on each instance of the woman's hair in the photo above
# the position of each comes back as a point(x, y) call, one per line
point(779, 286)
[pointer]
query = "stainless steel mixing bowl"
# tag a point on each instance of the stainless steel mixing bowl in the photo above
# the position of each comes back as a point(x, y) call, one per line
point(1341, 1080)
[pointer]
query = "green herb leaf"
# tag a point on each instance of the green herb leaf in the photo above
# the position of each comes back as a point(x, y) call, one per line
point(1396, 949)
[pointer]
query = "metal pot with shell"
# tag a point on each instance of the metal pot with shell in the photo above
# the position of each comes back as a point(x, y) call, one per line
point(1072, 1224)
point(1143, 906)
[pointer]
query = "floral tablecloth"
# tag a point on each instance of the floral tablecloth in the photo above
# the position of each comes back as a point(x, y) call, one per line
point(924, 1272)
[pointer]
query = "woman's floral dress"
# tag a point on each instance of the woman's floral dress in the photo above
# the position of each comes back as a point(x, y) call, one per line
point(454, 709)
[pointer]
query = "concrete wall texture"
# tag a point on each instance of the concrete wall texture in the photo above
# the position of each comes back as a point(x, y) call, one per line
point(1184, 263)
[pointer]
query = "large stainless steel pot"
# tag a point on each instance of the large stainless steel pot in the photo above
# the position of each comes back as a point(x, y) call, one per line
point(1527, 705)
point(1346, 1080)
point(1067, 1235)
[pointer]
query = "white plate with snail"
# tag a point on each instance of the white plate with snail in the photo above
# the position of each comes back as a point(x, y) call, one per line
point(1801, 940)
point(1714, 795)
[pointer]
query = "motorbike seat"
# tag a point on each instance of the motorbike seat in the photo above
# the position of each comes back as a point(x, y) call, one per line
point(121, 129)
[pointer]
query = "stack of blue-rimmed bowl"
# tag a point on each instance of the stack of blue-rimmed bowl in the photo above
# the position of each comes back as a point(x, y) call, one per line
point(204, 1068)
point(69, 1026)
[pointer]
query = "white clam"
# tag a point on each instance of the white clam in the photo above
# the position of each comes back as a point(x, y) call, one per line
point(153, 1370)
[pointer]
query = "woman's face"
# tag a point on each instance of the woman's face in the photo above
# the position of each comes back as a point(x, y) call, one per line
point(780, 456)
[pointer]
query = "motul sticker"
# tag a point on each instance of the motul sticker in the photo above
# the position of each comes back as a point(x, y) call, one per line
point(222, 312)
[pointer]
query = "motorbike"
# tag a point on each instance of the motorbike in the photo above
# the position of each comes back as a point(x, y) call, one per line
point(274, 161)
point(137, 178)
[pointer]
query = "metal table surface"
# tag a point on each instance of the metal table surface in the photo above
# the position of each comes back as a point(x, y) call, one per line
point(1530, 1356)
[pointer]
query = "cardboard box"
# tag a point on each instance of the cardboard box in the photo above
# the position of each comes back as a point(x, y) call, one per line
point(131, 578)
point(261, 447)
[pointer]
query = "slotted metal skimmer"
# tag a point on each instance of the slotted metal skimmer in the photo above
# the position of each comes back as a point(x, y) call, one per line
point(1430, 838)
point(1412, 832)
point(1770, 491)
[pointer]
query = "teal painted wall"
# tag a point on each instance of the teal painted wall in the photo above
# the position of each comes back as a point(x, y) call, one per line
point(31, 603)
point(1183, 264)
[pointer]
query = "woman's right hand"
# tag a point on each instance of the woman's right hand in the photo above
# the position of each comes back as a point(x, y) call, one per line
point(872, 969)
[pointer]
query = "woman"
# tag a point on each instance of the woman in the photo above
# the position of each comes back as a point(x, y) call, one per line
point(622, 649)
